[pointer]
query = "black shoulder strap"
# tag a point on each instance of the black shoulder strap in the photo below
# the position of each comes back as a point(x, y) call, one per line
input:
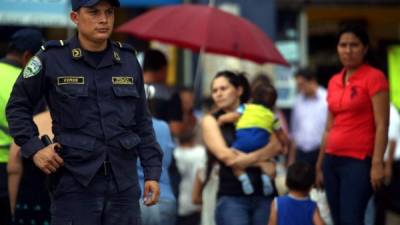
point(124, 46)
point(53, 44)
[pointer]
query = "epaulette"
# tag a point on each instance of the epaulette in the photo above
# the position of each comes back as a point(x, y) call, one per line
point(125, 46)
point(53, 44)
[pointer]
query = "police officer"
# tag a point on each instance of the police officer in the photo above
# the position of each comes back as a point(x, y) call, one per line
point(23, 45)
point(94, 89)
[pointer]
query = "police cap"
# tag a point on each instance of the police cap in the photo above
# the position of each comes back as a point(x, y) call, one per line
point(76, 4)
point(26, 40)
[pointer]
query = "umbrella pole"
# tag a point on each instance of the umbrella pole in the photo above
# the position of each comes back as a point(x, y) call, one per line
point(211, 3)
point(197, 86)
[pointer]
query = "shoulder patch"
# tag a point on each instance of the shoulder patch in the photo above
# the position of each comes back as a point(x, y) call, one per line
point(53, 44)
point(124, 46)
point(33, 67)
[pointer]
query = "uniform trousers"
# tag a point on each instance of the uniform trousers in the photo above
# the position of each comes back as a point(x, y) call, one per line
point(99, 203)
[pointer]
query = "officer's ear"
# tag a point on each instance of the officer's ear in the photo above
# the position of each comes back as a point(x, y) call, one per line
point(26, 56)
point(73, 15)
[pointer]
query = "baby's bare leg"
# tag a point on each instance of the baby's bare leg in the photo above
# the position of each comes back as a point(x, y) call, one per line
point(237, 172)
point(244, 179)
point(268, 167)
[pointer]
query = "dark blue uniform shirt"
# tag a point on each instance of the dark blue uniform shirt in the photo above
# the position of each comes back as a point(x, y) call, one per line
point(99, 111)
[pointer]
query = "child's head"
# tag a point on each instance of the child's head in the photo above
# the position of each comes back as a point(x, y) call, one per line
point(264, 95)
point(187, 138)
point(300, 176)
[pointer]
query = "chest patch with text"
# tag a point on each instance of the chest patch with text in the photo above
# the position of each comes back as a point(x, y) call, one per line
point(70, 80)
point(123, 80)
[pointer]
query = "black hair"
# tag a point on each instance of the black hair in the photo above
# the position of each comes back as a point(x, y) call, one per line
point(12, 48)
point(306, 74)
point(154, 60)
point(361, 33)
point(265, 95)
point(300, 176)
point(356, 29)
point(262, 78)
point(187, 136)
point(237, 80)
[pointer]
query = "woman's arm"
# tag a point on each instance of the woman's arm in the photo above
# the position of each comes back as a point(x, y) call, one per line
point(229, 117)
point(319, 180)
point(14, 170)
point(216, 144)
point(214, 140)
point(273, 214)
point(380, 105)
point(269, 151)
point(197, 196)
point(388, 164)
point(272, 149)
point(317, 219)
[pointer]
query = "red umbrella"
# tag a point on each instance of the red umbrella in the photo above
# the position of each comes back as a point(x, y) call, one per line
point(201, 27)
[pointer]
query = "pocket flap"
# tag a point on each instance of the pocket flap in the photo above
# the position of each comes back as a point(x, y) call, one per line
point(129, 141)
point(73, 90)
point(77, 141)
point(126, 91)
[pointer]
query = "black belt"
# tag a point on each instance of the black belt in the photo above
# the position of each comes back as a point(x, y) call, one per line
point(105, 168)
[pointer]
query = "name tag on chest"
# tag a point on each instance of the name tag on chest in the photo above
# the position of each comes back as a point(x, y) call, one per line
point(123, 80)
point(70, 80)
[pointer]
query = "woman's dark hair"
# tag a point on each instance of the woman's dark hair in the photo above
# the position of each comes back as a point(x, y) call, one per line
point(361, 33)
point(300, 176)
point(356, 29)
point(237, 80)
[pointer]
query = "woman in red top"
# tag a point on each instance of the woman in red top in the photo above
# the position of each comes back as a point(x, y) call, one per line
point(350, 162)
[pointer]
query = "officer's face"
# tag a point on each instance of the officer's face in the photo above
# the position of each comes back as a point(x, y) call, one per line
point(95, 24)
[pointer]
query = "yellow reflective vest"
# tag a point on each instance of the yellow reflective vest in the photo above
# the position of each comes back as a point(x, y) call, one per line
point(394, 74)
point(8, 76)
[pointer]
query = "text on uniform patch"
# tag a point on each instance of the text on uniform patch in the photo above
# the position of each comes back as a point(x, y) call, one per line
point(122, 80)
point(70, 80)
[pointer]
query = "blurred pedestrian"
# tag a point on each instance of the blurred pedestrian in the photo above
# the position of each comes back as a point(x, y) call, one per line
point(296, 208)
point(167, 102)
point(165, 211)
point(388, 198)
point(95, 92)
point(350, 164)
point(308, 118)
point(189, 119)
point(189, 157)
point(234, 207)
point(23, 45)
point(205, 189)
point(255, 122)
point(25, 178)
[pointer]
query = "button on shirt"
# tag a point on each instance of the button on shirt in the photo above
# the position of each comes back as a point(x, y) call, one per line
point(308, 120)
point(98, 109)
